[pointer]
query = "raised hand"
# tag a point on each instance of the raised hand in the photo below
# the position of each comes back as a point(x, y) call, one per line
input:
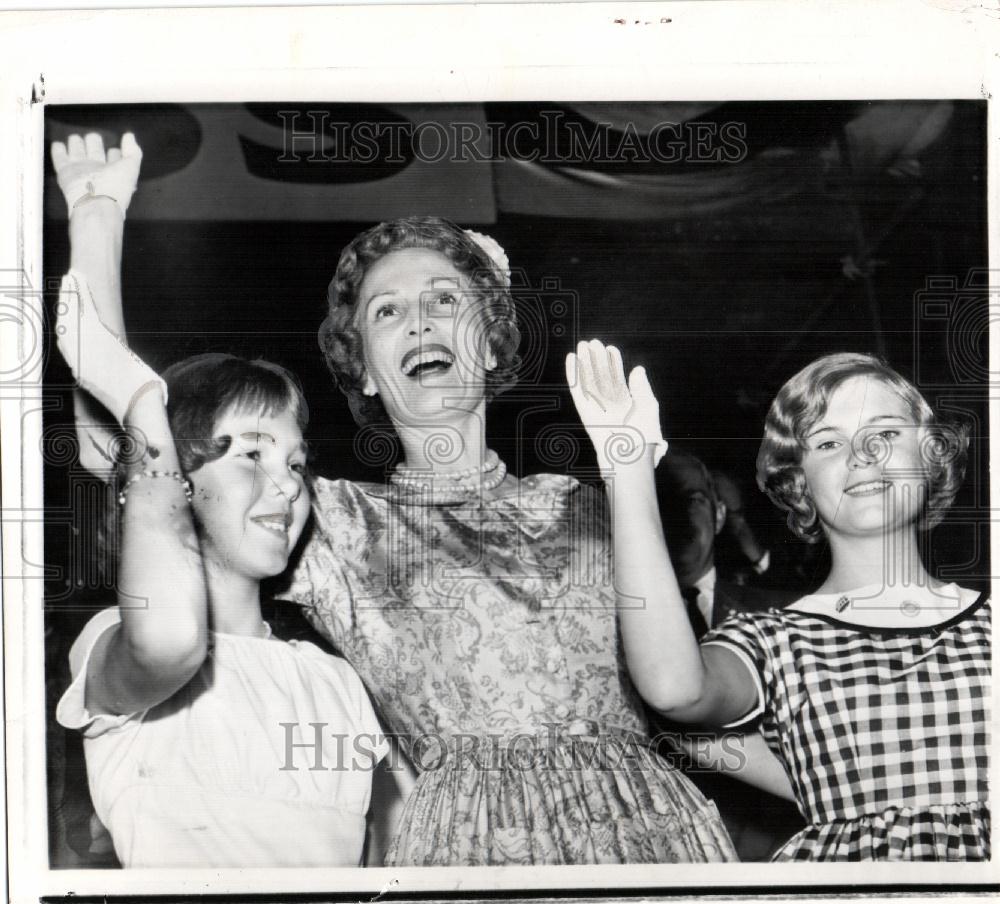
point(84, 170)
point(621, 418)
point(102, 364)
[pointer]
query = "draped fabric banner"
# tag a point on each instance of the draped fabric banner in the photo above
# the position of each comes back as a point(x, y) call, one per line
point(359, 163)
point(713, 165)
point(295, 162)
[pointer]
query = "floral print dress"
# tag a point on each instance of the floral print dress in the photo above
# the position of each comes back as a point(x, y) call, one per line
point(486, 634)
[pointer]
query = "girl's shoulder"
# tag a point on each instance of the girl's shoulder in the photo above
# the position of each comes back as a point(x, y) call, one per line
point(304, 660)
point(322, 657)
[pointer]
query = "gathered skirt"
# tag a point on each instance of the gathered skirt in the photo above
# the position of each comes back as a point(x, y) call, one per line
point(537, 799)
point(950, 833)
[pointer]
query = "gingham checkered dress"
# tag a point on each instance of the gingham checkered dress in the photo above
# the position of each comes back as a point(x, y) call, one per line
point(884, 733)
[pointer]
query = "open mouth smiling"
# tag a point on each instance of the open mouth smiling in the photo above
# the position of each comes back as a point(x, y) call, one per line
point(868, 488)
point(277, 523)
point(427, 359)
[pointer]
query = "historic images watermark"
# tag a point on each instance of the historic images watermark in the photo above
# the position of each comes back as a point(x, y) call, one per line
point(314, 136)
point(554, 746)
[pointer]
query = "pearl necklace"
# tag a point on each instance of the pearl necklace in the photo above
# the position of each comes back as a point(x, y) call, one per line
point(453, 485)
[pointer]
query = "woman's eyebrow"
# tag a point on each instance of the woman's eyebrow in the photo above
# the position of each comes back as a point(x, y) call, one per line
point(822, 429)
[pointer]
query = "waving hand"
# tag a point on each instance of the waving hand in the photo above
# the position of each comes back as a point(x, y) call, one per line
point(622, 418)
point(84, 170)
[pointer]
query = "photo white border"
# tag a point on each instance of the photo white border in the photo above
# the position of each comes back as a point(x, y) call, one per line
point(622, 51)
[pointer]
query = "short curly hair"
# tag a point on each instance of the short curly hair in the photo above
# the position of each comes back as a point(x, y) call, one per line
point(802, 402)
point(340, 338)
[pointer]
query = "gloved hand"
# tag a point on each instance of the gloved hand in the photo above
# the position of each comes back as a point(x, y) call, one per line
point(101, 363)
point(622, 419)
point(84, 170)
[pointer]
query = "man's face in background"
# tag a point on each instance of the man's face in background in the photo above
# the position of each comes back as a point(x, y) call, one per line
point(692, 515)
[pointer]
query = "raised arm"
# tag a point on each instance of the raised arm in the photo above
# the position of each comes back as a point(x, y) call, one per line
point(97, 187)
point(162, 639)
point(685, 682)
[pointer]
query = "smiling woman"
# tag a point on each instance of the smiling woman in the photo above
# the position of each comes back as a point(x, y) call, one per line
point(833, 408)
point(865, 424)
point(478, 607)
point(424, 356)
point(448, 287)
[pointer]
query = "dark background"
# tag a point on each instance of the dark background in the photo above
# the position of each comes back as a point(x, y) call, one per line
point(722, 302)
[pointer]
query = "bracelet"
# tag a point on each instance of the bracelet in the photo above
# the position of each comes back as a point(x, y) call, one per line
point(90, 196)
point(173, 475)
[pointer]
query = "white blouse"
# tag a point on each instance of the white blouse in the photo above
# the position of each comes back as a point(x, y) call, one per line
point(224, 773)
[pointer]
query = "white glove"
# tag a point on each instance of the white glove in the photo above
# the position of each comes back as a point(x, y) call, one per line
point(83, 169)
point(101, 363)
point(622, 419)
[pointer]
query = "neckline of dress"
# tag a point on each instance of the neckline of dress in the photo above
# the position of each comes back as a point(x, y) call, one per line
point(267, 635)
point(529, 485)
point(890, 608)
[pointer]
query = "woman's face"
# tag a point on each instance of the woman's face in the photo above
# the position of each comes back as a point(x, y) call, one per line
point(422, 327)
point(252, 503)
point(863, 465)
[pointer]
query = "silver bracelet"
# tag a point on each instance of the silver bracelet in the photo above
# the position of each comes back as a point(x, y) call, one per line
point(152, 475)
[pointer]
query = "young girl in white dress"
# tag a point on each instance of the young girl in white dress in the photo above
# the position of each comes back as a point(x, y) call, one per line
point(202, 732)
point(873, 692)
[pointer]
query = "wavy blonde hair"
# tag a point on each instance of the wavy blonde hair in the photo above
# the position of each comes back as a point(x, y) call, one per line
point(802, 402)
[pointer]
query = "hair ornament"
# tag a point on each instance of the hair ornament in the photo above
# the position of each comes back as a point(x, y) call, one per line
point(494, 252)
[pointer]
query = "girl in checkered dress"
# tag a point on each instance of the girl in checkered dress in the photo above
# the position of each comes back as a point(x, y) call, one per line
point(873, 692)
